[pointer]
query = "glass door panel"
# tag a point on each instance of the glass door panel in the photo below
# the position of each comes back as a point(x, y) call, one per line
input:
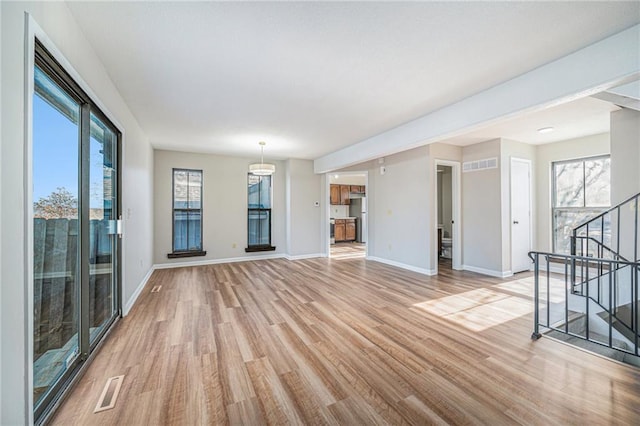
point(55, 234)
point(102, 226)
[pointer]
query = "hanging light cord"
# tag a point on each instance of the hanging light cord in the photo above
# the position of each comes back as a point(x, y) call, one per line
point(262, 144)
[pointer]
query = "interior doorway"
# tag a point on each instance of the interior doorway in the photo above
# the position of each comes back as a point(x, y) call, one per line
point(447, 214)
point(348, 218)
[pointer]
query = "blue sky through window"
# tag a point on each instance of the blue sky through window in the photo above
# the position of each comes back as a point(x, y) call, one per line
point(55, 151)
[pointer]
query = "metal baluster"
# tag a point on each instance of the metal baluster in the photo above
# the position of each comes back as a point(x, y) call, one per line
point(610, 312)
point(618, 231)
point(573, 260)
point(587, 310)
point(566, 296)
point(548, 295)
point(635, 303)
point(536, 296)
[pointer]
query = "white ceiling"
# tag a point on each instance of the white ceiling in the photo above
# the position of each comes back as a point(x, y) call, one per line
point(313, 77)
point(582, 117)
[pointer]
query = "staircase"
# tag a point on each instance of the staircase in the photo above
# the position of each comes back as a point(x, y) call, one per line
point(590, 297)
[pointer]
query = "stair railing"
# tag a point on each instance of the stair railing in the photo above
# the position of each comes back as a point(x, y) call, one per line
point(589, 279)
point(556, 304)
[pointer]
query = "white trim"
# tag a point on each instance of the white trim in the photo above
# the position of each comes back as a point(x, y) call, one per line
point(490, 272)
point(600, 66)
point(429, 272)
point(304, 256)
point(456, 214)
point(31, 30)
point(217, 261)
point(134, 297)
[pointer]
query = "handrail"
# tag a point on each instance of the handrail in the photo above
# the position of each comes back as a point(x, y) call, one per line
point(611, 209)
point(604, 246)
point(587, 258)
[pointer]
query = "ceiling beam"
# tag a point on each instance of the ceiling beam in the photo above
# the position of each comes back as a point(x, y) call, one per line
point(610, 62)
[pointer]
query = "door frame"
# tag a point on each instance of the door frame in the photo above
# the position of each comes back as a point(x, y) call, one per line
point(529, 164)
point(456, 213)
point(327, 211)
point(33, 32)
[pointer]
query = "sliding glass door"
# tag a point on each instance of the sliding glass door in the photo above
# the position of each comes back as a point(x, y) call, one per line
point(75, 242)
point(56, 128)
point(102, 226)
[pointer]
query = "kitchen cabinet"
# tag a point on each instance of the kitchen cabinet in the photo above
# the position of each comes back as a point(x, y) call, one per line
point(357, 189)
point(334, 192)
point(345, 230)
point(344, 194)
point(339, 194)
point(340, 230)
point(350, 232)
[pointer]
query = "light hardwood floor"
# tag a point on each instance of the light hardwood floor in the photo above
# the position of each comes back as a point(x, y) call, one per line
point(348, 250)
point(347, 342)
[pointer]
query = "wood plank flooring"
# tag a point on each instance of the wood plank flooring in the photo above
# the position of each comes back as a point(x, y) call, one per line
point(349, 342)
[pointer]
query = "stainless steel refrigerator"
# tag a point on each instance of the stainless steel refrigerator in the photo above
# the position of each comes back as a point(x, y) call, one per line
point(358, 209)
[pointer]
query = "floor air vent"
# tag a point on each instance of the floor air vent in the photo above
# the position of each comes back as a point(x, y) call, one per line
point(156, 289)
point(109, 394)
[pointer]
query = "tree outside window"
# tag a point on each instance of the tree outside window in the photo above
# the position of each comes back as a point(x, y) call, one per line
point(581, 190)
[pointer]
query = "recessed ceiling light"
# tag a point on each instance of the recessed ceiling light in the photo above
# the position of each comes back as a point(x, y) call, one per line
point(545, 130)
point(336, 176)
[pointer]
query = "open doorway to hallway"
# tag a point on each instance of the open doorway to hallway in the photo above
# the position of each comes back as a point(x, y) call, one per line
point(447, 201)
point(348, 221)
point(445, 218)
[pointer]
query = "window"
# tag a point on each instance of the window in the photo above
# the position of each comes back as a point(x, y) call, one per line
point(581, 190)
point(187, 213)
point(259, 213)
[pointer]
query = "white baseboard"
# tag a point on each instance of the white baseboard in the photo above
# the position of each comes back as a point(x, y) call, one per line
point(490, 272)
point(132, 300)
point(217, 261)
point(304, 256)
point(403, 265)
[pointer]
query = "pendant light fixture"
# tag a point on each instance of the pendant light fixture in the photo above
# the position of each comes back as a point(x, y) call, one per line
point(262, 168)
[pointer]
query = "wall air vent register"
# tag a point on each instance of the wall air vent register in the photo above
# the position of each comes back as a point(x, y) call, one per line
point(474, 166)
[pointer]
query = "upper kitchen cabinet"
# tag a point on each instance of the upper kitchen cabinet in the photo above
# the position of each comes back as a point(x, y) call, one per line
point(344, 194)
point(339, 194)
point(357, 189)
point(334, 191)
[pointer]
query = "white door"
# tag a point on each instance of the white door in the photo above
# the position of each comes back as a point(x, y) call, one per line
point(520, 214)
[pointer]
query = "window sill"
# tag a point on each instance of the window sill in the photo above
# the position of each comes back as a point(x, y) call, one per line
point(180, 254)
point(254, 249)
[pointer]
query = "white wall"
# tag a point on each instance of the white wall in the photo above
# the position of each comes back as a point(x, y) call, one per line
point(587, 146)
point(304, 218)
point(59, 25)
point(224, 206)
point(625, 154)
point(482, 210)
point(400, 210)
